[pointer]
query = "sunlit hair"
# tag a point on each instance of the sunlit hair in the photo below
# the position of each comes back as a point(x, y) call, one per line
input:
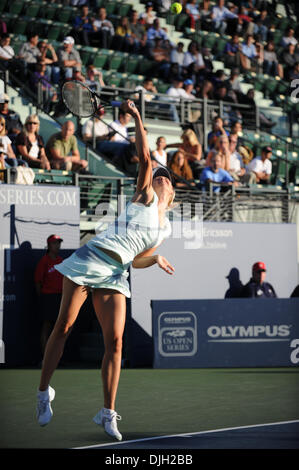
point(31, 117)
point(3, 129)
point(190, 135)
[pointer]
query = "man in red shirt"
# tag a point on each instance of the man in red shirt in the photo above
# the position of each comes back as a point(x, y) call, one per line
point(48, 283)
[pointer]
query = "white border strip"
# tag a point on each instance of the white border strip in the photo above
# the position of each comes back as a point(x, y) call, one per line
point(189, 434)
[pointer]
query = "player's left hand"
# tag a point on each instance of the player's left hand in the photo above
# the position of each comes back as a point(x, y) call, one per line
point(164, 264)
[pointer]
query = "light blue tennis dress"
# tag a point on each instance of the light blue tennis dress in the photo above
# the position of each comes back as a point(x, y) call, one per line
point(136, 230)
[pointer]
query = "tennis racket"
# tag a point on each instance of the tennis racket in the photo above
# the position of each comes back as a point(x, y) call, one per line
point(81, 101)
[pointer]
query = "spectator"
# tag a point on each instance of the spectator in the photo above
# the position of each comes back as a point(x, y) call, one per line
point(249, 115)
point(160, 155)
point(161, 57)
point(94, 78)
point(13, 123)
point(217, 131)
point(261, 25)
point(205, 12)
point(7, 154)
point(192, 149)
point(137, 29)
point(7, 53)
point(103, 29)
point(290, 57)
point(155, 32)
point(215, 174)
point(289, 38)
point(62, 150)
point(29, 52)
point(257, 287)
point(148, 88)
point(148, 17)
point(52, 69)
point(30, 144)
point(248, 54)
point(177, 55)
point(69, 58)
point(232, 52)
point(180, 169)
point(271, 66)
point(193, 55)
point(176, 89)
point(260, 168)
point(49, 95)
point(95, 128)
point(119, 138)
point(123, 39)
point(193, 12)
point(82, 26)
point(48, 284)
point(221, 149)
point(220, 15)
point(294, 74)
point(236, 166)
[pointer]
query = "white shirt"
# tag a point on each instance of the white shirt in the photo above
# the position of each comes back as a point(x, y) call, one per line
point(122, 130)
point(161, 159)
point(236, 162)
point(189, 58)
point(258, 166)
point(177, 57)
point(148, 96)
point(7, 52)
point(34, 150)
point(4, 142)
point(100, 128)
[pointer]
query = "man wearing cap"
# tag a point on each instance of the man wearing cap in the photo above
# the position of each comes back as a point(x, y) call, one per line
point(69, 58)
point(48, 284)
point(260, 168)
point(257, 287)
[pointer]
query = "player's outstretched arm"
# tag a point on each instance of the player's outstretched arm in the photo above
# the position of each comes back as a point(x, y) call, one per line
point(144, 191)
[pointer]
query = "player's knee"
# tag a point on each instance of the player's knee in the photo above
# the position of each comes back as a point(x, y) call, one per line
point(63, 328)
point(114, 346)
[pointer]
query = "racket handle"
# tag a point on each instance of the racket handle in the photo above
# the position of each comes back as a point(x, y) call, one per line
point(115, 104)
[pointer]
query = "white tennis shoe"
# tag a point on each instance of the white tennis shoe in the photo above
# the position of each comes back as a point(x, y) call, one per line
point(107, 419)
point(44, 411)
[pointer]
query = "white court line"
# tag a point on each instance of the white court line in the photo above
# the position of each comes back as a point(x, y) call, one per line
point(188, 434)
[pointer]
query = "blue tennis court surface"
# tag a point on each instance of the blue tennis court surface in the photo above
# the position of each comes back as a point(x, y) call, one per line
point(283, 435)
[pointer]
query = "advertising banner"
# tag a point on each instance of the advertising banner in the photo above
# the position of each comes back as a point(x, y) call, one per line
point(225, 333)
point(28, 215)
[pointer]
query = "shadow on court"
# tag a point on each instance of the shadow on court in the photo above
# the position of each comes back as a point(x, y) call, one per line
point(274, 436)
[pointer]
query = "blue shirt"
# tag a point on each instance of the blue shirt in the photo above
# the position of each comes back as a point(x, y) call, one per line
point(221, 176)
point(249, 51)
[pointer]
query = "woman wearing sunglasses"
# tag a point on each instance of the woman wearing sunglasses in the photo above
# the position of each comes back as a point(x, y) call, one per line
point(30, 144)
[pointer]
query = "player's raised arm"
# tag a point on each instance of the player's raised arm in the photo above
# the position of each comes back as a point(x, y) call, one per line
point(144, 191)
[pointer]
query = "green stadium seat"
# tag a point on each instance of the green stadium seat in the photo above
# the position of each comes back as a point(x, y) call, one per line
point(57, 30)
point(123, 9)
point(32, 9)
point(131, 63)
point(162, 87)
point(116, 60)
point(110, 7)
point(49, 10)
point(20, 26)
point(209, 40)
point(16, 6)
point(181, 21)
point(146, 66)
point(101, 58)
point(87, 54)
point(64, 14)
point(2, 5)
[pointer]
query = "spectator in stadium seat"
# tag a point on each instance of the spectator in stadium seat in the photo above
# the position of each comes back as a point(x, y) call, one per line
point(69, 58)
point(148, 88)
point(82, 26)
point(62, 150)
point(260, 168)
point(215, 174)
point(7, 154)
point(7, 54)
point(39, 77)
point(220, 15)
point(159, 154)
point(192, 149)
point(192, 55)
point(103, 29)
point(48, 284)
point(180, 168)
point(30, 144)
point(118, 138)
point(221, 149)
point(290, 57)
point(155, 31)
point(177, 55)
point(29, 53)
point(123, 39)
point(271, 65)
point(261, 25)
point(236, 166)
point(95, 128)
point(289, 38)
point(137, 29)
point(192, 10)
point(248, 55)
point(13, 121)
point(294, 74)
point(257, 287)
point(217, 131)
point(52, 69)
point(249, 115)
point(232, 52)
point(148, 17)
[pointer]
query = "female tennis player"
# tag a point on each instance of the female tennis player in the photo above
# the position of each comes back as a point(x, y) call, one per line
point(101, 266)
